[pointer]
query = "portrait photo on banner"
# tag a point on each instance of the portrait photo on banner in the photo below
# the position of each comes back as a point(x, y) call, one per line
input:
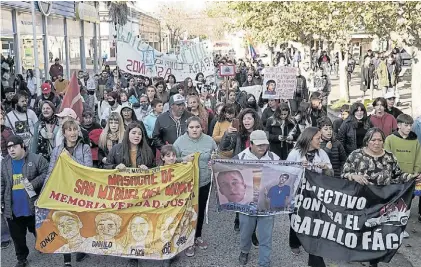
point(235, 186)
point(277, 188)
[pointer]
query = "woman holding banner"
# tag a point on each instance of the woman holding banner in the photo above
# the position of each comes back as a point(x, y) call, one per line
point(307, 150)
point(81, 153)
point(378, 166)
point(194, 140)
point(132, 152)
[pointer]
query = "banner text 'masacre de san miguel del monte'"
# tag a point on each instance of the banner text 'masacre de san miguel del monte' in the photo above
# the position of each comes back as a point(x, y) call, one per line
point(138, 214)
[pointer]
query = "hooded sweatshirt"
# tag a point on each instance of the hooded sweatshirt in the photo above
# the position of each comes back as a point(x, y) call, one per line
point(387, 123)
point(406, 150)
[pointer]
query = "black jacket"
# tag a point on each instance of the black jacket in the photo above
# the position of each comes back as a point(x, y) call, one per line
point(347, 134)
point(267, 113)
point(337, 155)
point(281, 148)
point(337, 124)
point(167, 130)
point(395, 112)
point(233, 141)
point(115, 157)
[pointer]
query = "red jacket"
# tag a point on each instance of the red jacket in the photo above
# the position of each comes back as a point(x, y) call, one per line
point(387, 123)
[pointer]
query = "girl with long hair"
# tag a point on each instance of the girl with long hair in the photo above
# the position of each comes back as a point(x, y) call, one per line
point(151, 93)
point(31, 82)
point(307, 150)
point(162, 93)
point(196, 108)
point(283, 131)
point(112, 134)
point(132, 152)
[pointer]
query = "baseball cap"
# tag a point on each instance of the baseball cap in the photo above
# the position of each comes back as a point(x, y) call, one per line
point(259, 137)
point(15, 140)
point(389, 95)
point(177, 99)
point(46, 88)
point(126, 105)
point(67, 112)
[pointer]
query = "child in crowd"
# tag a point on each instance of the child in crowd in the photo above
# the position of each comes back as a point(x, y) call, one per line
point(331, 146)
point(343, 116)
point(168, 155)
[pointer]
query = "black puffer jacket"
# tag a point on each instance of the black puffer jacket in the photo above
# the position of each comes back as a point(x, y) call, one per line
point(281, 148)
point(347, 134)
point(233, 141)
point(337, 155)
point(167, 130)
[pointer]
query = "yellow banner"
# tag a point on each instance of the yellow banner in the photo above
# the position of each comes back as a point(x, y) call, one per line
point(138, 214)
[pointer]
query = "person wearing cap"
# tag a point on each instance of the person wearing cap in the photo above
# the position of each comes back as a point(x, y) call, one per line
point(63, 116)
point(55, 69)
point(7, 103)
point(47, 94)
point(61, 84)
point(390, 108)
point(45, 131)
point(22, 177)
point(171, 124)
point(21, 119)
point(258, 150)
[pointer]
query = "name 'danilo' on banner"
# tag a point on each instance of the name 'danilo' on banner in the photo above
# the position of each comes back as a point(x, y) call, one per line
point(371, 240)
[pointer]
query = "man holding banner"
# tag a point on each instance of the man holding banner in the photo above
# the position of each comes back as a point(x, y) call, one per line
point(258, 150)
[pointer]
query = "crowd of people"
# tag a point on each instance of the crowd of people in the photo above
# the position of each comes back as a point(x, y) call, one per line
point(142, 122)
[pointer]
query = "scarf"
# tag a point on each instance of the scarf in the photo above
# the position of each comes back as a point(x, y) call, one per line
point(112, 139)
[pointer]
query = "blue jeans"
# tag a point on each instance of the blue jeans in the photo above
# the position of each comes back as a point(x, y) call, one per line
point(264, 234)
point(5, 235)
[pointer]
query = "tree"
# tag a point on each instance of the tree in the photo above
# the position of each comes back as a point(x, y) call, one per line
point(274, 22)
point(401, 21)
point(119, 12)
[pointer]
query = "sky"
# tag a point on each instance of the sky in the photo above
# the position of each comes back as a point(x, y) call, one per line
point(153, 6)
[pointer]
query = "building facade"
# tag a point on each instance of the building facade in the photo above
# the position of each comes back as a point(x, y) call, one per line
point(67, 30)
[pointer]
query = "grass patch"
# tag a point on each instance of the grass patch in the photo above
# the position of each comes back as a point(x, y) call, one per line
point(337, 105)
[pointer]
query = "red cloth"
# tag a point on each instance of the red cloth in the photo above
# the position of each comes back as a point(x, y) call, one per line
point(248, 142)
point(94, 137)
point(387, 123)
point(73, 99)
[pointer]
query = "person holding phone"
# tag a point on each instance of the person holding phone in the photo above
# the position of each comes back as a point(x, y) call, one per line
point(236, 139)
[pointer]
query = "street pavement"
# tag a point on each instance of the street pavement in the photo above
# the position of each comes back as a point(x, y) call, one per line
point(223, 250)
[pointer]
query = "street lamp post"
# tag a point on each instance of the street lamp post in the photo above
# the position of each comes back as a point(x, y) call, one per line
point(34, 37)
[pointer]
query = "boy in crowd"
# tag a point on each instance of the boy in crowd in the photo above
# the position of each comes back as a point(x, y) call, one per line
point(404, 145)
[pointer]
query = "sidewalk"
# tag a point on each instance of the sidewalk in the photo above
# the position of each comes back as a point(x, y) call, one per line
point(356, 93)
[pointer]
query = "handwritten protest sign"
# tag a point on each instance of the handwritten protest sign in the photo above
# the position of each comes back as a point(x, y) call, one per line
point(279, 82)
point(139, 58)
point(240, 186)
point(138, 214)
point(254, 90)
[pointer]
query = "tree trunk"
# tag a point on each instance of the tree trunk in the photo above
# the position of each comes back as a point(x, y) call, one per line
point(343, 87)
point(416, 82)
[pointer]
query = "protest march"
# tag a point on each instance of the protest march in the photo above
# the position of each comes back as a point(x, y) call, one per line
point(159, 156)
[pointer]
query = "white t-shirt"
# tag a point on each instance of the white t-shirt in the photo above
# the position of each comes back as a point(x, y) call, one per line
point(22, 124)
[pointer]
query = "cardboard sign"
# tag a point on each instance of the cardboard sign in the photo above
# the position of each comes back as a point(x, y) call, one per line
point(227, 70)
point(279, 82)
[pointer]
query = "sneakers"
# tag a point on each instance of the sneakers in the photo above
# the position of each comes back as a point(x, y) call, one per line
point(254, 240)
point(189, 251)
point(22, 263)
point(80, 256)
point(405, 234)
point(132, 263)
point(244, 258)
point(201, 243)
point(237, 225)
point(67, 264)
point(295, 251)
point(5, 244)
